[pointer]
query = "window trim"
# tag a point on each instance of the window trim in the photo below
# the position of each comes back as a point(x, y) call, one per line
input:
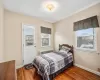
point(95, 42)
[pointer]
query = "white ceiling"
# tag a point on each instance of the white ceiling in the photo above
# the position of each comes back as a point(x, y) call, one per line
point(33, 8)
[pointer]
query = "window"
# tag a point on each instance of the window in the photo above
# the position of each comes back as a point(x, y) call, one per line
point(29, 40)
point(86, 39)
point(45, 36)
point(45, 40)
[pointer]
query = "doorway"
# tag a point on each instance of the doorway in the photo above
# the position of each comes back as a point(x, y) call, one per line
point(28, 43)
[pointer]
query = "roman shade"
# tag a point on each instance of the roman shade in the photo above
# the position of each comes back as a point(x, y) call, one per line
point(45, 30)
point(91, 22)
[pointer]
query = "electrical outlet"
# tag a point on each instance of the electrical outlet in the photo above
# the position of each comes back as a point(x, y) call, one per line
point(99, 69)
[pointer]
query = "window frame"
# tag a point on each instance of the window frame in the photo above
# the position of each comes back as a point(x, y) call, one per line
point(95, 42)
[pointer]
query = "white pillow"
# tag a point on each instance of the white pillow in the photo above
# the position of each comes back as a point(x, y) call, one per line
point(65, 48)
point(63, 51)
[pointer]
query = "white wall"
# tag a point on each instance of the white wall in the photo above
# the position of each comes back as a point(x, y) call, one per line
point(1, 33)
point(13, 34)
point(64, 34)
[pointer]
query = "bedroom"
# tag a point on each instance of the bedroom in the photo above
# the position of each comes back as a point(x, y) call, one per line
point(57, 21)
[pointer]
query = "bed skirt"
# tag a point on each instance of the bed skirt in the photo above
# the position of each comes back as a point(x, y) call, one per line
point(52, 76)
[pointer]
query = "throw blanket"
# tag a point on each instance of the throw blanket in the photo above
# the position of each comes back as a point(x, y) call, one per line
point(50, 63)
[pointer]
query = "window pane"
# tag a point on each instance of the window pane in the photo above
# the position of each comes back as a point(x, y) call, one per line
point(45, 39)
point(85, 32)
point(85, 38)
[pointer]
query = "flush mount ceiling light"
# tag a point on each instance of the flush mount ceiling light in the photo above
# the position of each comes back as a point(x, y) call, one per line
point(50, 6)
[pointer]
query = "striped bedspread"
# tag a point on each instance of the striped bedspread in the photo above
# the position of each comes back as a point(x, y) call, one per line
point(50, 63)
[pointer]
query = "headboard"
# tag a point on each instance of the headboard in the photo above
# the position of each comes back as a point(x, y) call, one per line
point(66, 45)
point(71, 47)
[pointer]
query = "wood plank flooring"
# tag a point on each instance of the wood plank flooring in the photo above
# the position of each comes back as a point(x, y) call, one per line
point(73, 73)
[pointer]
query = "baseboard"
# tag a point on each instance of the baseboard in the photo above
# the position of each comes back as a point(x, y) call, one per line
point(90, 70)
point(17, 67)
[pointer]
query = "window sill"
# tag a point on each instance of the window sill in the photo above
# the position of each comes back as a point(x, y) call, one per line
point(85, 50)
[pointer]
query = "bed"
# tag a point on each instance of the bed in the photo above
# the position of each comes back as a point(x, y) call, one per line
point(51, 64)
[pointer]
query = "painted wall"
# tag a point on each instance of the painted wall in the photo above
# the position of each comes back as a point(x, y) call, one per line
point(13, 34)
point(1, 33)
point(64, 34)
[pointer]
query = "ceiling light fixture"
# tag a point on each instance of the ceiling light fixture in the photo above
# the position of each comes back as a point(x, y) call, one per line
point(50, 6)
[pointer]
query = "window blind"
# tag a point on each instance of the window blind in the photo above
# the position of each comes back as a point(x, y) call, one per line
point(91, 22)
point(45, 30)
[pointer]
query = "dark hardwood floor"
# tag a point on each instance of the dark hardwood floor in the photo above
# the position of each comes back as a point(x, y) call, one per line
point(73, 73)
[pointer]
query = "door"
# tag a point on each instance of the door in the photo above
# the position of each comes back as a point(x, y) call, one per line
point(28, 42)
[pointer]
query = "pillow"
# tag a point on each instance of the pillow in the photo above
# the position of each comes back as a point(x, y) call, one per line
point(65, 48)
point(63, 51)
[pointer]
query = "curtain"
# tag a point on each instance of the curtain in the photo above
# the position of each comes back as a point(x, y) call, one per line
point(91, 22)
point(45, 30)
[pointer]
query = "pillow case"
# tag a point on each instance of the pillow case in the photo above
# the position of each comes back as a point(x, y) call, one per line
point(65, 48)
point(63, 51)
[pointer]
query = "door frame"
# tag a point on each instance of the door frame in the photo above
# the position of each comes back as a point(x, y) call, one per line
point(23, 40)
